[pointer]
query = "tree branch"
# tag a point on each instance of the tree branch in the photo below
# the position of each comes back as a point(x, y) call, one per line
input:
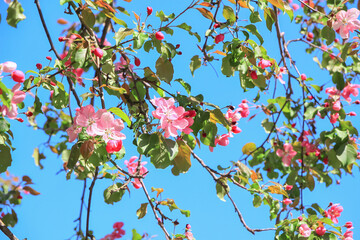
point(89, 202)
point(7, 231)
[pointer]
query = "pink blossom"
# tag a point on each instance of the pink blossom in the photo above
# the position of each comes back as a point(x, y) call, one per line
point(73, 132)
point(264, 63)
point(348, 234)
point(219, 38)
point(171, 118)
point(244, 109)
point(324, 47)
point(334, 117)
point(109, 128)
point(132, 166)
point(86, 117)
point(232, 116)
point(295, 6)
point(334, 212)
point(332, 92)
point(336, 106)
point(304, 230)
point(287, 154)
point(7, 1)
point(122, 65)
point(235, 129)
point(222, 140)
point(320, 230)
point(350, 89)
point(8, 67)
point(287, 201)
point(288, 187)
point(189, 235)
point(347, 22)
point(18, 97)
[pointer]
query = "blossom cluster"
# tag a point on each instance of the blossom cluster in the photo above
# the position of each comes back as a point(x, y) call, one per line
point(333, 213)
point(132, 166)
point(117, 233)
point(335, 95)
point(172, 118)
point(100, 123)
point(233, 116)
point(17, 95)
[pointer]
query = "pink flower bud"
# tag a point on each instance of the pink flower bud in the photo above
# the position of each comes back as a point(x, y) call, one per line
point(235, 129)
point(61, 39)
point(320, 231)
point(159, 36)
point(39, 66)
point(137, 62)
point(219, 38)
point(49, 58)
point(348, 224)
point(287, 201)
point(8, 67)
point(149, 10)
point(288, 187)
point(18, 76)
point(216, 25)
point(352, 114)
point(303, 77)
point(253, 75)
point(188, 226)
point(113, 146)
point(98, 52)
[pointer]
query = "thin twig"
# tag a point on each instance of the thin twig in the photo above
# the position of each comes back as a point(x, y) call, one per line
point(81, 207)
point(154, 210)
point(89, 202)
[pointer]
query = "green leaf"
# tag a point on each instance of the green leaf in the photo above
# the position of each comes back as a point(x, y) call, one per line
point(252, 28)
point(218, 117)
point(60, 99)
point(15, 13)
point(222, 189)
point(329, 34)
point(347, 125)
point(257, 201)
point(5, 156)
point(164, 70)
point(121, 34)
point(255, 17)
point(268, 126)
point(147, 142)
point(209, 134)
point(88, 16)
point(74, 156)
point(344, 51)
point(182, 161)
point(195, 63)
point(229, 14)
point(185, 85)
point(338, 79)
point(120, 113)
point(136, 235)
point(310, 182)
point(4, 125)
point(113, 193)
point(226, 67)
point(139, 39)
point(260, 82)
point(346, 154)
point(141, 212)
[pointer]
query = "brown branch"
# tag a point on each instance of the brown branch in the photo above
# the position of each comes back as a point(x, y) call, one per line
point(54, 50)
point(81, 208)
point(243, 221)
point(154, 210)
point(89, 203)
point(7, 231)
point(192, 4)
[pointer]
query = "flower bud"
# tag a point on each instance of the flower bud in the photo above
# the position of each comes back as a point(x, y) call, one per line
point(18, 76)
point(9, 67)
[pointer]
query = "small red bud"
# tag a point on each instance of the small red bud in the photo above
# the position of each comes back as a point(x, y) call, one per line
point(192, 113)
point(39, 66)
point(49, 58)
point(204, 135)
point(52, 83)
point(293, 125)
point(177, 46)
point(326, 160)
point(326, 104)
point(310, 97)
point(179, 53)
point(20, 119)
point(159, 36)
point(253, 75)
point(300, 218)
point(357, 102)
point(149, 10)
point(219, 38)
point(188, 226)
point(137, 62)
point(29, 114)
point(216, 25)
point(336, 40)
point(18, 76)
point(19, 197)
point(61, 39)
point(303, 77)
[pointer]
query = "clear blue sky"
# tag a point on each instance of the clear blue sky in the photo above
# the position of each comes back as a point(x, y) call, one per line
point(51, 214)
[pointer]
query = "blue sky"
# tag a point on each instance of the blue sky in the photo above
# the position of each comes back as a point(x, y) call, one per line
point(51, 214)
